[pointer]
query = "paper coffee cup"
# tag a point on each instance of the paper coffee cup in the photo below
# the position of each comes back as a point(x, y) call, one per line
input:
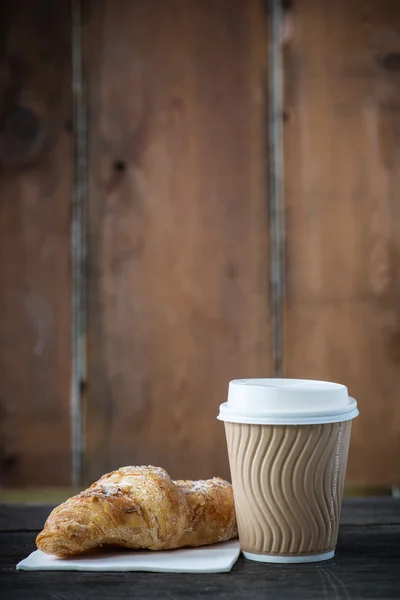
point(288, 443)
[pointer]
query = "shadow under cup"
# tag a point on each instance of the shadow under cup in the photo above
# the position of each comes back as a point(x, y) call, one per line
point(287, 481)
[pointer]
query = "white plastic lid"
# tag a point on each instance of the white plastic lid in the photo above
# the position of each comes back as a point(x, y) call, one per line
point(287, 402)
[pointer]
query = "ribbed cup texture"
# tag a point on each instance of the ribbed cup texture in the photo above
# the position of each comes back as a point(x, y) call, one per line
point(288, 485)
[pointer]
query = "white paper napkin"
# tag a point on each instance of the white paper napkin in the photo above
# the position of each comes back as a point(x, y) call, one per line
point(217, 558)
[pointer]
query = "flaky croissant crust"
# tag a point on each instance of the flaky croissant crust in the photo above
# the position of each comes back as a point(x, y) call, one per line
point(141, 507)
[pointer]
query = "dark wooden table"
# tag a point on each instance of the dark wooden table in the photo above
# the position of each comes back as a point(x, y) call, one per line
point(367, 565)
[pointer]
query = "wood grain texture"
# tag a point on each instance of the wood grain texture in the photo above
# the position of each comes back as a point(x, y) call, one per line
point(178, 227)
point(35, 283)
point(342, 176)
point(24, 517)
point(365, 566)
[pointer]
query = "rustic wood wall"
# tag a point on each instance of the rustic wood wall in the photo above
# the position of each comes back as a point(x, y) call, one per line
point(342, 208)
point(178, 225)
point(178, 268)
point(36, 157)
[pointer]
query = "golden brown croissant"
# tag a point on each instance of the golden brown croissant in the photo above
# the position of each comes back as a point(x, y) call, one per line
point(141, 507)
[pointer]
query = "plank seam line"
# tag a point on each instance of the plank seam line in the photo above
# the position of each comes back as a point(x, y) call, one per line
point(276, 215)
point(78, 250)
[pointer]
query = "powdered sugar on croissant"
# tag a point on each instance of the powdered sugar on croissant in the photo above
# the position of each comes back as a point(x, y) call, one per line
point(141, 507)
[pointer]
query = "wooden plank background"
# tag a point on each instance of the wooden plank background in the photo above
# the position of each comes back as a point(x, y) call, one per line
point(342, 208)
point(178, 227)
point(35, 284)
point(178, 264)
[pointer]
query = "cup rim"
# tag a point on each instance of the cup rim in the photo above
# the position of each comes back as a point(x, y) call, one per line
point(231, 416)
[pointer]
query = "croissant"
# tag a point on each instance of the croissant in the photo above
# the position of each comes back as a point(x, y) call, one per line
point(141, 507)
